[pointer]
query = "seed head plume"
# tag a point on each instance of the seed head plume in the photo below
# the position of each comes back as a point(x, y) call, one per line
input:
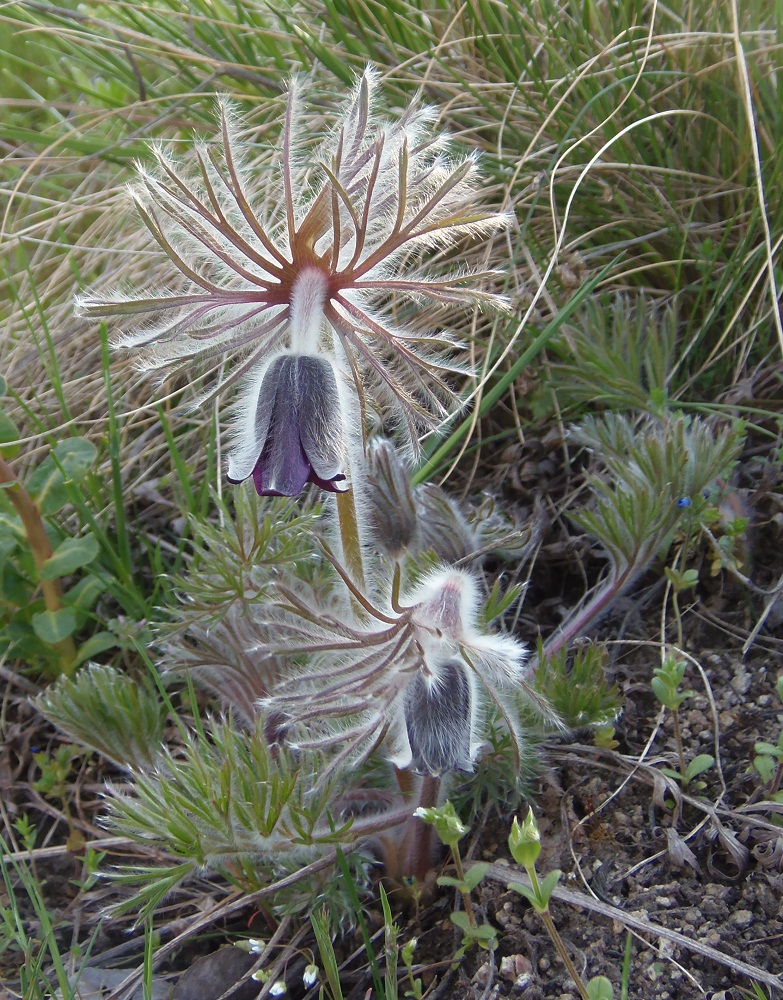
point(315, 266)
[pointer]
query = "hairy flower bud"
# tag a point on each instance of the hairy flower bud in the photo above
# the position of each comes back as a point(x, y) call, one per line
point(438, 719)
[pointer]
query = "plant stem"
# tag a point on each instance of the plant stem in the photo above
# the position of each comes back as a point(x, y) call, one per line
point(461, 876)
point(596, 606)
point(678, 738)
point(350, 537)
point(562, 951)
point(417, 842)
point(38, 540)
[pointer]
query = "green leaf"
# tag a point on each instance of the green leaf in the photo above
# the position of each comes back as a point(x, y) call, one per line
point(84, 593)
point(96, 644)
point(599, 988)
point(661, 690)
point(485, 934)
point(54, 626)
point(8, 545)
point(768, 748)
point(76, 456)
point(47, 487)
point(701, 763)
point(526, 891)
point(3, 386)
point(460, 918)
point(475, 874)
point(69, 461)
point(14, 587)
point(447, 881)
point(71, 554)
point(766, 768)
point(548, 884)
point(9, 436)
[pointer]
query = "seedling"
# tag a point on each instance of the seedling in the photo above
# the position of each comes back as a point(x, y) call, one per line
point(525, 844)
point(450, 831)
point(666, 683)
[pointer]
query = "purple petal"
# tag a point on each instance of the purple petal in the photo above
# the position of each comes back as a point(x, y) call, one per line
point(330, 485)
point(320, 424)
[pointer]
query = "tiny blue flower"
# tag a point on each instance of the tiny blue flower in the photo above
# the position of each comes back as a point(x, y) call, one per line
point(684, 502)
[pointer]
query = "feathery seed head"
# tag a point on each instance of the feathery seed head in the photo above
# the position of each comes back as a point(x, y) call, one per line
point(418, 674)
point(312, 268)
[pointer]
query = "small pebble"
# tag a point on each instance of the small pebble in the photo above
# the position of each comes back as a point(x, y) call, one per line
point(741, 918)
point(515, 966)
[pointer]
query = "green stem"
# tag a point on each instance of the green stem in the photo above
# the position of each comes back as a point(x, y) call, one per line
point(461, 876)
point(38, 540)
point(562, 951)
point(350, 537)
point(678, 738)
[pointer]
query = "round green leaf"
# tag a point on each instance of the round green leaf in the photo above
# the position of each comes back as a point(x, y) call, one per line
point(70, 555)
point(599, 988)
point(9, 436)
point(54, 626)
point(76, 457)
point(46, 486)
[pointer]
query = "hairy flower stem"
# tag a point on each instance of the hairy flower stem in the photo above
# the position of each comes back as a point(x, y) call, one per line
point(38, 540)
point(416, 847)
point(597, 606)
point(350, 537)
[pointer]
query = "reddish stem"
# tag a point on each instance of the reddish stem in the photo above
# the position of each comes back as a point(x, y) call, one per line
point(38, 540)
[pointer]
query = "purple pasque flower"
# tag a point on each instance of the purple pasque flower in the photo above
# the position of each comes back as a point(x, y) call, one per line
point(317, 255)
point(294, 434)
point(419, 675)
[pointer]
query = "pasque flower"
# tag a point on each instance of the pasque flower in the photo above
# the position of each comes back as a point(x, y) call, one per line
point(294, 435)
point(311, 266)
point(419, 675)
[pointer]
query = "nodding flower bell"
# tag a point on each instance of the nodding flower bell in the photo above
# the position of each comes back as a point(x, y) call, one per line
point(257, 266)
point(294, 433)
point(438, 710)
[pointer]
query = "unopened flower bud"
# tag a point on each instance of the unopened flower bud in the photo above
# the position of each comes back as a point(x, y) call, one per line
point(390, 497)
point(448, 826)
point(525, 841)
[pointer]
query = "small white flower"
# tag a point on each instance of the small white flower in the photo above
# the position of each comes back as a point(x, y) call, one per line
point(278, 988)
point(310, 976)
